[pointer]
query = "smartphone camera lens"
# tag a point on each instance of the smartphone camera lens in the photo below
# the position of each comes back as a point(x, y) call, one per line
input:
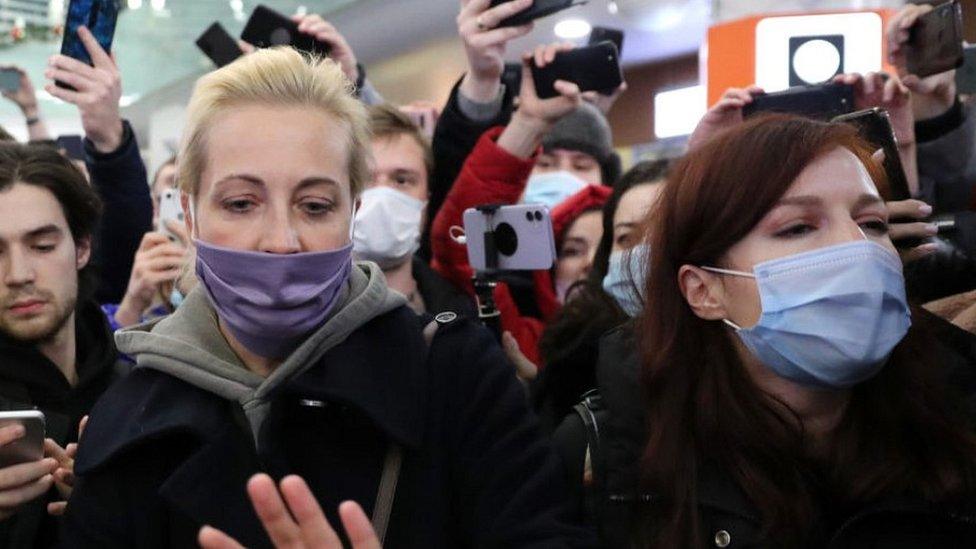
point(528, 216)
point(538, 216)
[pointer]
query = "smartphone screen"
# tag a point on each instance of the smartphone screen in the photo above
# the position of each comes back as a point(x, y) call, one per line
point(219, 45)
point(99, 16)
point(935, 44)
point(9, 80)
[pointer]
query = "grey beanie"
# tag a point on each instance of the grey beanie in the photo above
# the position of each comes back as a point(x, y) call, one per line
point(585, 130)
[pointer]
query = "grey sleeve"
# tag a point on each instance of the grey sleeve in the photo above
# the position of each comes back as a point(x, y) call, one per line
point(481, 112)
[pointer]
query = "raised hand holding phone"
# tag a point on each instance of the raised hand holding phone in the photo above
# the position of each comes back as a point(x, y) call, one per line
point(339, 49)
point(725, 114)
point(485, 44)
point(97, 90)
point(933, 95)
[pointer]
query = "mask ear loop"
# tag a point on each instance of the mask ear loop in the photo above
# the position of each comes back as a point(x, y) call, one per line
point(457, 235)
point(730, 272)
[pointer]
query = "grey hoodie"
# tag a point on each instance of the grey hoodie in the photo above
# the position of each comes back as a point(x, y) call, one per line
point(188, 344)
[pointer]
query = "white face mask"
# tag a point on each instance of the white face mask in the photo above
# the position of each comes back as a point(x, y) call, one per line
point(387, 227)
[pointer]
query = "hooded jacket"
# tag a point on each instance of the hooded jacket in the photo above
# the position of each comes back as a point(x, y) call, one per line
point(493, 176)
point(30, 380)
point(171, 448)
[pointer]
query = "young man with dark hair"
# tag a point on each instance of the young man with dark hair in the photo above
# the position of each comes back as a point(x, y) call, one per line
point(56, 351)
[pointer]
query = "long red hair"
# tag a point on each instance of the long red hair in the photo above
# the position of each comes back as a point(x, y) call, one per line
point(704, 411)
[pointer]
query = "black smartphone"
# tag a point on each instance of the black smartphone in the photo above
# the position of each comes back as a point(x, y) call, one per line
point(935, 41)
point(593, 68)
point(538, 10)
point(607, 34)
point(219, 45)
point(73, 146)
point(9, 80)
point(820, 102)
point(267, 28)
point(875, 127)
point(512, 78)
point(966, 74)
point(100, 17)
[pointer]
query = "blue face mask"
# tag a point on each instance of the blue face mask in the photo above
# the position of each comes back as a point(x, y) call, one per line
point(625, 278)
point(176, 298)
point(550, 189)
point(831, 317)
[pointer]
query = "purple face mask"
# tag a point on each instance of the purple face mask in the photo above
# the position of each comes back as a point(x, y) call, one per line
point(272, 302)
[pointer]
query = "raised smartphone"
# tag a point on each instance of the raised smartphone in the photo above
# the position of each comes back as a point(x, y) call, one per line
point(509, 238)
point(820, 102)
point(935, 42)
point(100, 16)
point(170, 209)
point(9, 80)
point(592, 68)
point(874, 126)
point(538, 10)
point(217, 44)
point(29, 447)
point(608, 34)
point(267, 28)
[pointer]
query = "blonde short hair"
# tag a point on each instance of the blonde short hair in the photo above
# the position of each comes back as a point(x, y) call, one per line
point(274, 77)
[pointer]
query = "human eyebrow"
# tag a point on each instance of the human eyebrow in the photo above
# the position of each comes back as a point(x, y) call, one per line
point(246, 178)
point(318, 180)
point(800, 201)
point(46, 230)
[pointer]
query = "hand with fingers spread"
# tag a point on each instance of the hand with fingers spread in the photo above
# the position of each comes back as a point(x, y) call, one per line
point(485, 44)
point(98, 88)
point(158, 261)
point(64, 475)
point(909, 231)
point(535, 116)
point(23, 483)
point(309, 527)
point(933, 96)
point(725, 114)
point(339, 49)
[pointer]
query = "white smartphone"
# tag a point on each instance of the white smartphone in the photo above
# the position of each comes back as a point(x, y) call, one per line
point(29, 447)
point(170, 209)
point(515, 238)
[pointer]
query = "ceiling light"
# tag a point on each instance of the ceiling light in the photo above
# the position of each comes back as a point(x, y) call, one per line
point(571, 29)
point(134, 4)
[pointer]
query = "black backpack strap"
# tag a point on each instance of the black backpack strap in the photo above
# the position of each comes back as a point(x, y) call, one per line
point(593, 468)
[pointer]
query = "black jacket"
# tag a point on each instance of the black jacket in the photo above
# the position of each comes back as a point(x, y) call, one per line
point(439, 294)
point(121, 182)
point(29, 380)
point(726, 514)
point(161, 458)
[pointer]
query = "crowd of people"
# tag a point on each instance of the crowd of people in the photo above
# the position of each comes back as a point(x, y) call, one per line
point(750, 345)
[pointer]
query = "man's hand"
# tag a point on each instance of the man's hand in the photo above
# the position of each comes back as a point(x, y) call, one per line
point(535, 116)
point(23, 483)
point(64, 475)
point(604, 102)
point(25, 98)
point(485, 45)
point(339, 50)
point(158, 261)
point(727, 113)
point(525, 369)
point(309, 527)
point(99, 89)
point(933, 96)
point(908, 224)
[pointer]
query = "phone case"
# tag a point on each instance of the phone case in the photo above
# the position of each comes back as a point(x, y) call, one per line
point(820, 102)
point(170, 209)
point(9, 80)
point(874, 126)
point(593, 68)
point(28, 448)
point(606, 34)
point(219, 45)
point(100, 16)
point(966, 74)
point(267, 28)
point(935, 45)
point(523, 237)
point(538, 10)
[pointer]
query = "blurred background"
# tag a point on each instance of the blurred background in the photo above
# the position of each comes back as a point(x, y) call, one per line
point(410, 49)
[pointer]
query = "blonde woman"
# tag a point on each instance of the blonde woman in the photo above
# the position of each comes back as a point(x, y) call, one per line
point(291, 359)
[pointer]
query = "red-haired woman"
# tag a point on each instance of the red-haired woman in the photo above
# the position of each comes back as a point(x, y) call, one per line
point(788, 397)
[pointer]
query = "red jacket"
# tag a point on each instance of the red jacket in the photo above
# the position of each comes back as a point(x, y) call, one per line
point(493, 176)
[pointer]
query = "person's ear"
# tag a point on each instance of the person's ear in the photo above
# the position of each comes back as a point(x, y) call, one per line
point(703, 291)
point(82, 252)
point(187, 216)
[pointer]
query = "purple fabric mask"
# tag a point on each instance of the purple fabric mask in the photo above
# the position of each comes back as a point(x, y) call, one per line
point(272, 302)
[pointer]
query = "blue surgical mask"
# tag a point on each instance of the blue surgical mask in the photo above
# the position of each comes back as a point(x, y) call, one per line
point(176, 298)
point(830, 317)
point(625, 278)
point(550, 189)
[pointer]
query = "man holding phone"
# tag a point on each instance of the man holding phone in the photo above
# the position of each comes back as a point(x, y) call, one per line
point(26, 100)
point(58, 353)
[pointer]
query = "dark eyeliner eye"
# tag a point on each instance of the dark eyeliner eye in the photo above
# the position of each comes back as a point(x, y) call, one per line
point(879, 227)
point(796, 230)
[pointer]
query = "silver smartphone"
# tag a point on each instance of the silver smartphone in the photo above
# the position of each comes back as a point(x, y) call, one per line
point(509, 238)
point(29, 447)
point(170, 209)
